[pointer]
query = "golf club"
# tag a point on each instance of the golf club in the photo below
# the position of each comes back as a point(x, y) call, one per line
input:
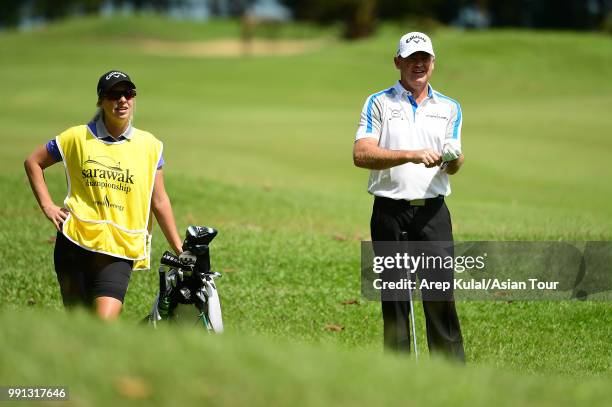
point(404, 238)
point(188, 280)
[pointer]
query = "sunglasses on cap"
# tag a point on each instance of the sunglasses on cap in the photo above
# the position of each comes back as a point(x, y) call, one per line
point(117, 94)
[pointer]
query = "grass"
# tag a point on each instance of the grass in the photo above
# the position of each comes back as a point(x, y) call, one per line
point(260, 147)
point(184, 366)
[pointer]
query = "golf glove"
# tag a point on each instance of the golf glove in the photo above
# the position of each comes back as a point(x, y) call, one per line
point(451, 151)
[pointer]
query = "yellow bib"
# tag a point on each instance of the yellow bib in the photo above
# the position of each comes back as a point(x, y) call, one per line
point(109, 192)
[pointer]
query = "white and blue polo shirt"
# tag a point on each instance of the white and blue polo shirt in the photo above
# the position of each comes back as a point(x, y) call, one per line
point(393, 117)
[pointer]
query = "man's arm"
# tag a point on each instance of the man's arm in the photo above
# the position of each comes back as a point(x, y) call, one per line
point(452, 167)
point(451, 152)
point(367, 154)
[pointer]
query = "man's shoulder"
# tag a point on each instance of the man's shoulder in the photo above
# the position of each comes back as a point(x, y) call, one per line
point(380, 97)
point(446, 99)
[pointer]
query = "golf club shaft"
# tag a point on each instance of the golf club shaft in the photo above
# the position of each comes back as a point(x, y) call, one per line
point(414, 338)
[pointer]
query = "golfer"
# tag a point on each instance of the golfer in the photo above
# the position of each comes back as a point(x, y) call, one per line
point(409, 136)
point(115, 180)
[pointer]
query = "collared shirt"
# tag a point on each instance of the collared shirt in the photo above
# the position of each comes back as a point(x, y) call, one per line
point(102, 133)
point(98, 129)
point(393, 117)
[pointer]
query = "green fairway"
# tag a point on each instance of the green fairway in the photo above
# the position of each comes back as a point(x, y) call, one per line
point(259, 146)
point(125, 364)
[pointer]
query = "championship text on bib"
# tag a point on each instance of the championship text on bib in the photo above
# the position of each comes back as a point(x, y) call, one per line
point(109, 192)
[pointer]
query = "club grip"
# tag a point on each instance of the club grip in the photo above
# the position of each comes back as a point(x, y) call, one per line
point(170, 260)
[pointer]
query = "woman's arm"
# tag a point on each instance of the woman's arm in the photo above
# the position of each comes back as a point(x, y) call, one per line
point(34, 167)
point(162, 209)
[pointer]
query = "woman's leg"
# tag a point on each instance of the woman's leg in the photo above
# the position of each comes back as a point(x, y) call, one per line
point(91, 279)
point(107, 308)
point(70, 263)
point(110, 279)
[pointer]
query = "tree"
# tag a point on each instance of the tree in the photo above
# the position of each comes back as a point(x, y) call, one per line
point(9, 13)
point(357, 16)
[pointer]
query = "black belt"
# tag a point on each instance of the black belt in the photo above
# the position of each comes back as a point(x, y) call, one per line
point(411, 202)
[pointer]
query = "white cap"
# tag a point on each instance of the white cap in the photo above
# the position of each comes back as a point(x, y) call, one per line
point(414, 42)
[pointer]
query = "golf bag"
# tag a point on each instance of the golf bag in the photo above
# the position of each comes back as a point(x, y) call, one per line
point(187, 290)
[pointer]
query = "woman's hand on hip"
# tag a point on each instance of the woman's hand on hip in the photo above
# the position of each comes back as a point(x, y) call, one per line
point(56, 215)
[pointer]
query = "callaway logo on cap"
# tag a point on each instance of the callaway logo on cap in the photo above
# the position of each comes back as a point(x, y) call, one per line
point(111, 78)
point(115, 74)
point(414, 42)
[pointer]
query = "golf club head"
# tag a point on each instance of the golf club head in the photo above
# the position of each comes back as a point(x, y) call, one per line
point(170, 260)
point(188, 258)
point(171, 281)
point(197, 237)
point(185, 293)
point(201, 295)
point(198, 249)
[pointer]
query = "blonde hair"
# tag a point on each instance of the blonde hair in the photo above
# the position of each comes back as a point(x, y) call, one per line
point(99, 113)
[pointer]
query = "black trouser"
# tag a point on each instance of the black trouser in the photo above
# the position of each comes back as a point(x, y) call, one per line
point(397, 220)
point(84, 275)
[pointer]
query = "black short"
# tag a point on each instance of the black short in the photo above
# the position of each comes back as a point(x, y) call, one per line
point(84, 275)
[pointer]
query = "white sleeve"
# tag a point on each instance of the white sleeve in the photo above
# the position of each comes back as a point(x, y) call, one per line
point(370, 122)
point(453, 129)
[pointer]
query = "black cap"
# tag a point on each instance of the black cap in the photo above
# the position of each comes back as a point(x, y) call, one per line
point(110, 79)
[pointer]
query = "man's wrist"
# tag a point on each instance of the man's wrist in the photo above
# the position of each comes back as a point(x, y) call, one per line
point(409, 156)
point(453, 166)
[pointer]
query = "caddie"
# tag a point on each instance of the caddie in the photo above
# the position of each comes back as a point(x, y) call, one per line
point(409, 136)
point(115, 181)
